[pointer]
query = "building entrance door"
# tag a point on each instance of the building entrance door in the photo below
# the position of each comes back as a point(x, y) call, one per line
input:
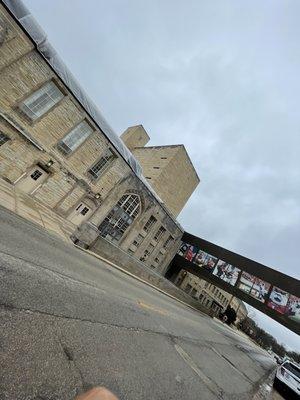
point(80, 214)
point(32, 180)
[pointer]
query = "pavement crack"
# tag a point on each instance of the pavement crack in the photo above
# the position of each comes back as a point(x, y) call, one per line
point(212, 386)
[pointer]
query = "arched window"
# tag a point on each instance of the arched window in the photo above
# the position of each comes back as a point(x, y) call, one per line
point(120, 217)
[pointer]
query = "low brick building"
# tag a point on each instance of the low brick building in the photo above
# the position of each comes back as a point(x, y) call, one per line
point(56, 146)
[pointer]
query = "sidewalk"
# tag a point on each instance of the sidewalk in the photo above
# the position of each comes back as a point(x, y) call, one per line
point(34, 211)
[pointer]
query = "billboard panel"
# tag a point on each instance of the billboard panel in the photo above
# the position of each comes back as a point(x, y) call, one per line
point(254, 286)
point(278, 300)
point(293, 308)
point(205, 260)
point(227, 272)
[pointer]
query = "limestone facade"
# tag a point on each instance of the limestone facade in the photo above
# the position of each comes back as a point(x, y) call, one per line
point(51, 149)
point(168, 169)
point(210, 296)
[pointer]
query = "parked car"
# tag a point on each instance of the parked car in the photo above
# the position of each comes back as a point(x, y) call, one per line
point(288, 377)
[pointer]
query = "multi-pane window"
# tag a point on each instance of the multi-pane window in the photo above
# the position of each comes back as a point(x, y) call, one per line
point(120, 217)
point(159, 233)
point(3, 138)
point(145, 255)
point(36, 175)
point(75, 138)
point(102, 164)
point(168, 242)
point(41, 101)
point(150, 248)
point(149, 224)
point(138, 240)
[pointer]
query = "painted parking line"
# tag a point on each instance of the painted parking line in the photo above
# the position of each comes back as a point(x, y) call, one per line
point(152, 308)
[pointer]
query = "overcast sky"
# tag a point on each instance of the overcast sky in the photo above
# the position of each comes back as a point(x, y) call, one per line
point(221, 77)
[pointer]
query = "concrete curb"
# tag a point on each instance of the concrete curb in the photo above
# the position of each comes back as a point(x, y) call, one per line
point(139, 279)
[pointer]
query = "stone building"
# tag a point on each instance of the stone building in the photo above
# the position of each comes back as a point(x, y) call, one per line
point(168, 169)
point(240, 309)
point(209, 295)
point(56, 146)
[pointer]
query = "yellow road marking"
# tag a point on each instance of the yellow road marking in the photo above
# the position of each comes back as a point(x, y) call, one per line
point(150, 307)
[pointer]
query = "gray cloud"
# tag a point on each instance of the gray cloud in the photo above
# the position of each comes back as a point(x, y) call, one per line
point(220, 77)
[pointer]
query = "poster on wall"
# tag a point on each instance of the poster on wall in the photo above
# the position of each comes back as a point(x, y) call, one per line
point(227, 272)
point(254, 286)
point(188, 251)
point(293, 308)
point(278, 300)
point(205, 260)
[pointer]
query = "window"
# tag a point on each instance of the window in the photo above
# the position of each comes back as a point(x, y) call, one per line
point(163, 158)
point(41, 101)
point(84, 210)
point(292, 368)
point(120, 217)
point(150, 248)
point(188, 288)
point(145, 255)
point(36, 175)
point(3, 138)
point(159, 233)
point(102, 164)
point(168, 242)
point(155, 167)
point(148, 177)
point(138, 240)
point(201, 296)
point(149, 224)
point(75, 138)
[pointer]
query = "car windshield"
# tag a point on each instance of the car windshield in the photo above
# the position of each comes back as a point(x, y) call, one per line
point(293, 369)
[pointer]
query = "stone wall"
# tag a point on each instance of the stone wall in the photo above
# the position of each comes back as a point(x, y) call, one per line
point(67, 182)
point(170, 172)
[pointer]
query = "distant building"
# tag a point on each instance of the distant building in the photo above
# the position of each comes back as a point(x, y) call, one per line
point(240, 309)
point(168, 169)
point(209, 295)
point(56, 147)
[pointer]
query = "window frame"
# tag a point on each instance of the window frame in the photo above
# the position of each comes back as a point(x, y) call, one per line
point(151, 225)
point(19, 104)
point(117, 220)
point(5, 137)
point(107, 165)
point(69, 154)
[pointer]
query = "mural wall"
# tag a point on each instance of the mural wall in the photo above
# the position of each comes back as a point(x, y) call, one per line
point(274, 297)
